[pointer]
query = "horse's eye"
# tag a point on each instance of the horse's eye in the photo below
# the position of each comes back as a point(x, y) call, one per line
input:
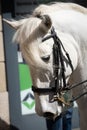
point(45, 58)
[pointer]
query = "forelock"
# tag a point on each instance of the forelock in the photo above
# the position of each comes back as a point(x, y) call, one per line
point(27, 30)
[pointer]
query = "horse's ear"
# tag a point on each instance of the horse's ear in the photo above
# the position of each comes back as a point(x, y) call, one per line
point(46, 22)
point(13, 24)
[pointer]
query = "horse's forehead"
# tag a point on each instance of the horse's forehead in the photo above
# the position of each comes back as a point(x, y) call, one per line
point(45, 48)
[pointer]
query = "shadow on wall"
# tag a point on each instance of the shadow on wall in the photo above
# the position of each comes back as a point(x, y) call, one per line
point(5, 126)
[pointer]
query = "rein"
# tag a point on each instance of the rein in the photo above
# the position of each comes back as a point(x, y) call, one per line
point(58, 60)
point(59, 86)
point(74, 86)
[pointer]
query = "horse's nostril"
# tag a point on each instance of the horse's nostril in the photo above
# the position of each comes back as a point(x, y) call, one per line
point(48, 115)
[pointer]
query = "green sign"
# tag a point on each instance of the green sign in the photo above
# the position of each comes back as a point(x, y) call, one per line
point(27, 96)
point(25, 78)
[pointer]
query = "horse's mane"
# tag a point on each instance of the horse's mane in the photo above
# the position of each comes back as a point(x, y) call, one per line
point(28, 29)
point(31, 23)
point(42, 9)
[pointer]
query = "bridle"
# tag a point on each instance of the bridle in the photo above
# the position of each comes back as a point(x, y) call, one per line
point(60, 87)
point(58, 64)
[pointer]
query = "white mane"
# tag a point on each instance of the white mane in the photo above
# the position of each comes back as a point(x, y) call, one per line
point(28, 29)
point(32, 22)
point(43, 9)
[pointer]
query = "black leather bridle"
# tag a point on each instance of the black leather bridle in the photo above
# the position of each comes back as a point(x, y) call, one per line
point(58, 63)
point(59, 85)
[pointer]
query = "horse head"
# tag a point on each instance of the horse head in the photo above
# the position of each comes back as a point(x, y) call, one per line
point(44, 49)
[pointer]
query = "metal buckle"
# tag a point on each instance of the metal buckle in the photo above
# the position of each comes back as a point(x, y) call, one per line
point(64, 97)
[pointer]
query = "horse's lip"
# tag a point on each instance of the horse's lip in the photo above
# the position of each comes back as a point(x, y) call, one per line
point(48, 115)
point(52, 117)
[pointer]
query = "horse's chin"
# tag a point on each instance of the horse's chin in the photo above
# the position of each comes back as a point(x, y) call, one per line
point(51, 116)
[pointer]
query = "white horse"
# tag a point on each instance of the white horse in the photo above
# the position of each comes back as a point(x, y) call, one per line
point(70, 23)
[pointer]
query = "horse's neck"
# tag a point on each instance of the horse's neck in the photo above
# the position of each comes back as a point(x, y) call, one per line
point(80, 74)
point(70, 21)
point(74, 23)
point(82, 102)
point(78, 30)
